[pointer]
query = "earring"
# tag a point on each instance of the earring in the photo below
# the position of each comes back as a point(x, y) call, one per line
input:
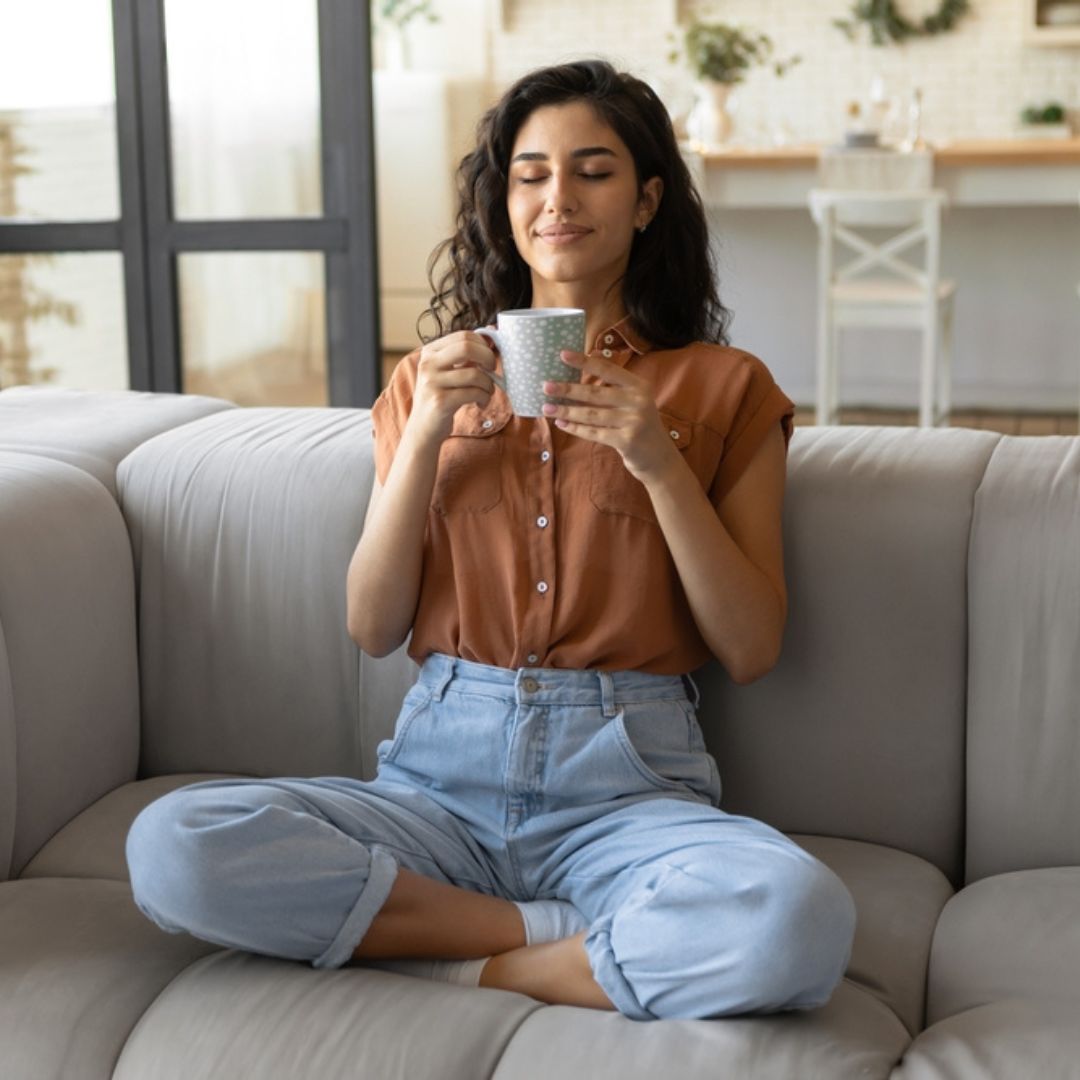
point(642, 228)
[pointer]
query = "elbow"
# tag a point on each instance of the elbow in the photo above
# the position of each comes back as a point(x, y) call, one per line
point(751, 667)
point(366, 637)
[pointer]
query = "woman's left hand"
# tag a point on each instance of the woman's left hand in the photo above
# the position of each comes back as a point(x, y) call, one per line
point(620, 413)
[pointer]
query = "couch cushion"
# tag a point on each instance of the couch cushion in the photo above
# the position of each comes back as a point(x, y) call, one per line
point(898, 896)
point(243, 525)
point(91, 429)
point(1008, 1040)
point(854, 1035)
point(79, 964)
point(898, 899)
point(1015, 935)
point(69, 705)
point(92, 844)
point(238, 1014)
point(1023, 735)
point(859, 729)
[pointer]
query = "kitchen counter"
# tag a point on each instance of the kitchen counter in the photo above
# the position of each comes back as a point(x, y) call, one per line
point(957, 152)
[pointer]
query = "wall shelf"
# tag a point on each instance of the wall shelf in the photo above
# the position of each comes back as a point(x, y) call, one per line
point(1039, 28)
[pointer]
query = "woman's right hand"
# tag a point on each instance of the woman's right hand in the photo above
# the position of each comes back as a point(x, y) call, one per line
point(451, 372)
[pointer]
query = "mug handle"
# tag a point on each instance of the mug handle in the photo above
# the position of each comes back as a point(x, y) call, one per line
point(493, 337)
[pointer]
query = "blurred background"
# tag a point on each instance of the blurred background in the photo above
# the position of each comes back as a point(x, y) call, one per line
point(239, 198)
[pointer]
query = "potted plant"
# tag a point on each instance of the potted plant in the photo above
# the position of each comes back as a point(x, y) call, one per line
point(720, 55)
point(395, 16)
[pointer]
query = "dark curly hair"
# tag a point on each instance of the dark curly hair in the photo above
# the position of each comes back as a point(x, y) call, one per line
point(669, 289)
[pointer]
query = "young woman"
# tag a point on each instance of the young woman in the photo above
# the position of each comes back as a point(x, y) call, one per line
point(545, 818)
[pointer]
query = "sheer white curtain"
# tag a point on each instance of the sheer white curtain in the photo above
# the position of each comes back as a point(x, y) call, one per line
point(244, 101)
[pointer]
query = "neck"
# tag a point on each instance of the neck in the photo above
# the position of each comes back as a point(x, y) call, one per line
point(602, 304)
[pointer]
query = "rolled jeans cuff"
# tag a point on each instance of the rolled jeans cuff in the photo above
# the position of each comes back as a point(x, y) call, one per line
point(382, 871)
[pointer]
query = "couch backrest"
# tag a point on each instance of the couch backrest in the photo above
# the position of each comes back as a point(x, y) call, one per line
point(69, 707)
point(859, 730)
point(243, 525)
point(1024, 706)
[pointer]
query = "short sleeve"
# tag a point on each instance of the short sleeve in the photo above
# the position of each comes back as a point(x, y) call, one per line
point(758, 405)
point(390, 413)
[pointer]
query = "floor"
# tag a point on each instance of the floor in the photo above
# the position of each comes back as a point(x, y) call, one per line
point(1008, 423)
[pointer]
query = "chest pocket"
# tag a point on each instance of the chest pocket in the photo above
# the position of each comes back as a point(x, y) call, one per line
point(611, 487)
point(469, 479)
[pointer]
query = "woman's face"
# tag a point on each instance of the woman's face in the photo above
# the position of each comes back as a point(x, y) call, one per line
point(573, 196)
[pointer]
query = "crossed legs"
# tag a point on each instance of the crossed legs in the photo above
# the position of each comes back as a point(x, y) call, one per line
point(423, 917)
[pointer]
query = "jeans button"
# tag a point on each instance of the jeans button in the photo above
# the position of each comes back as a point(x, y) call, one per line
point(530, 686)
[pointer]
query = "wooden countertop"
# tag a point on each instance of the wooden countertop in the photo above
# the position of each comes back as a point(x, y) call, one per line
point(953, 153)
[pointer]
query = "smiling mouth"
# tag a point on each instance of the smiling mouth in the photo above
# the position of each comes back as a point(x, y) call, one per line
point(562, 237)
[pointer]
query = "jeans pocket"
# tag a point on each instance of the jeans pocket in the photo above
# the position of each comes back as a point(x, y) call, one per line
point(658, 741)
point(415, 703)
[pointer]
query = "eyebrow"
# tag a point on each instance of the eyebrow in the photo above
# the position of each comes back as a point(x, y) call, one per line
point(585, 151)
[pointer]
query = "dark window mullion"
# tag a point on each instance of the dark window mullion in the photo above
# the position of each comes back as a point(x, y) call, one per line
point(252, 234)
point(132, 225)
point(352, 281)
point(59, 236)
point(160, 261)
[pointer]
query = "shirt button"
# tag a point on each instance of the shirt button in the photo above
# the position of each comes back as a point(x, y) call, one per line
point(607, 352)
point(608, 339)
point(541, 586)
point(542, 521)
point(530, 686)
point(545, 455)
point(532, 658)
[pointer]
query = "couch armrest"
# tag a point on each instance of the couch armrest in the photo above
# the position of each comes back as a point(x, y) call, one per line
point(69, 700)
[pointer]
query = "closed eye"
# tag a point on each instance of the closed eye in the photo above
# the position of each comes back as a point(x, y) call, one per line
point(584, 176)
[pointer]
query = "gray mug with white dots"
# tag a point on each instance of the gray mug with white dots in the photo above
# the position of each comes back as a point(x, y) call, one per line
point(529, 341)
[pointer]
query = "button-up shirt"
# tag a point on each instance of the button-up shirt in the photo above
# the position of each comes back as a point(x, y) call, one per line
point(541, 549)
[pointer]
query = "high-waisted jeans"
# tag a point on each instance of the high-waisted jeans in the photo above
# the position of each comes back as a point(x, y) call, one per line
point(585, 786)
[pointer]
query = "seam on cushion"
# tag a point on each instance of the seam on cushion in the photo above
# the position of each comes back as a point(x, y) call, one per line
point(7, 841)
point(968, 681)
point(142, 1016)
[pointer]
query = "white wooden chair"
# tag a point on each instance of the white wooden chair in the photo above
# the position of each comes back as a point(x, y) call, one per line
point(878, 288)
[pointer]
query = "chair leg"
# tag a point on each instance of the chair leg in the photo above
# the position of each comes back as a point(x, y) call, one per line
point(946, 365)
point(928, 371)
point(826, 362)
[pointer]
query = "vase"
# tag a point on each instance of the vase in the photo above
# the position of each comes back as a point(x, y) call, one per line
point(709, 121)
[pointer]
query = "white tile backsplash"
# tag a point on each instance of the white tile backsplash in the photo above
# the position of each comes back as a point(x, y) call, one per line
point(975, 79)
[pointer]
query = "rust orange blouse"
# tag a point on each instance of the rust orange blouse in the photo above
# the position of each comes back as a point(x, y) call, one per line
point(541, 549)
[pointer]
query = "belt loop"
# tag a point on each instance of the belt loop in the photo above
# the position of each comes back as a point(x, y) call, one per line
point(607, 693)
point(693, 686)
point(444, 672)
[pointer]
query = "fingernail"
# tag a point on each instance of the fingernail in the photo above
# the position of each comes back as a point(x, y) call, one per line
point(549, 410)
point(550, 387)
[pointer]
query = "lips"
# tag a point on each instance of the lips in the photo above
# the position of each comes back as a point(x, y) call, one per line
point(563, 234)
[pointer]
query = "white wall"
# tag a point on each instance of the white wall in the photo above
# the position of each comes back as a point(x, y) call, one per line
point(975, 79)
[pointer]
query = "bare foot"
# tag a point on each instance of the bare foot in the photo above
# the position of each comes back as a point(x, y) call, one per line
point(556, 972)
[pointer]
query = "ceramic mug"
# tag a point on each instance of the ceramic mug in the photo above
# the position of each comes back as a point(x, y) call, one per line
point(529, 341)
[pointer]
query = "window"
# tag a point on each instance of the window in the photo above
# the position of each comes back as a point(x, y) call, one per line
point(187, 199)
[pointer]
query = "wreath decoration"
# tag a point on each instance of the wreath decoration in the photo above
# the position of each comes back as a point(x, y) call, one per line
point(887, 24)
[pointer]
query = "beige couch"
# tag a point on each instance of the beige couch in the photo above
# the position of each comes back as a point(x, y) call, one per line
point(172, 607)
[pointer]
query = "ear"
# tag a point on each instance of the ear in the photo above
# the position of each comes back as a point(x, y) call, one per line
point(652, 191)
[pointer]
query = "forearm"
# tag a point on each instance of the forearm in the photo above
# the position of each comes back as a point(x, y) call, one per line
point(383, 582)
point(734, 604)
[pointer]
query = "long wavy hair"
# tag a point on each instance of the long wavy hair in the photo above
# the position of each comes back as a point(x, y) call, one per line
point(670, 286)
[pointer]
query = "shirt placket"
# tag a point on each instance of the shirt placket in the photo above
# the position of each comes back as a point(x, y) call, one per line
point(540, 533)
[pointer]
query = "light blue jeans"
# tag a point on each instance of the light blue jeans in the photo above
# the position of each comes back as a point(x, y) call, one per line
point(586, 786)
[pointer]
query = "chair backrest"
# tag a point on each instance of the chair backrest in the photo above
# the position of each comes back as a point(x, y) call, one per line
point(913, 218)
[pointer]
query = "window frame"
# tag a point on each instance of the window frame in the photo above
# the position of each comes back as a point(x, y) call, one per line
point(149, 238)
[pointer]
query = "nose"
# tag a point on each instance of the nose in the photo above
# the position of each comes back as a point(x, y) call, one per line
point(560, 195)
